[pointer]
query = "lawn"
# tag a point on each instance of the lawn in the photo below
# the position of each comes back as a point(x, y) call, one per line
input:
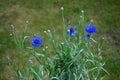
point(45, 14)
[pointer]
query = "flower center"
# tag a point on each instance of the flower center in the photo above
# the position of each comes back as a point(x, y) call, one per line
point(36, 41)
point(71, 30)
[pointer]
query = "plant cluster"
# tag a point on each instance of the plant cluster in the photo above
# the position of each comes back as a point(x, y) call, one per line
point(76, 57)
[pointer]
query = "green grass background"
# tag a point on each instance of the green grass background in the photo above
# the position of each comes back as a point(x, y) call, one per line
point(46, 14)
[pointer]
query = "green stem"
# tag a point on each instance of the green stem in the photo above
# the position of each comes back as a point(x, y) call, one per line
point(63, 20)
point(35, 55)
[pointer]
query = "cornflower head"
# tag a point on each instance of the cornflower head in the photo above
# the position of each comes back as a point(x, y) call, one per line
point(71, 31)
point(12, 28)
point(68, 21)
point(36, 41)
point(90, 29)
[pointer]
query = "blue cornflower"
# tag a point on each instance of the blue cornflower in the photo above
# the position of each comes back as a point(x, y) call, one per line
point(90, 29)
point(71, 31)
point(36, 41)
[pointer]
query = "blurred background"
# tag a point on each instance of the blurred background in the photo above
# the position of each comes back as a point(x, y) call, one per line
point(46, 14)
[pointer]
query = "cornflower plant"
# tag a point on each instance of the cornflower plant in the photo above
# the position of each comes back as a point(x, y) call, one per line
point(76, 57)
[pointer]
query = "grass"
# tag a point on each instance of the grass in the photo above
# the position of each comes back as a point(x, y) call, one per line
point(45, 14)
